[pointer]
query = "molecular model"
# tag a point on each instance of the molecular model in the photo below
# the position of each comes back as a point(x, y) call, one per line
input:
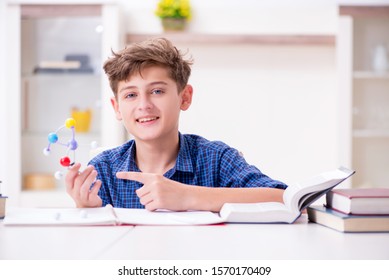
point(71, 145)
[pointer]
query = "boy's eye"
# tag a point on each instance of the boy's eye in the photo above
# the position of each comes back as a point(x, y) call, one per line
point(131, 95)
point(157, 91)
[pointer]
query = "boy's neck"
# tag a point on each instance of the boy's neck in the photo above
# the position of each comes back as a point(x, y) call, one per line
point(158, 156)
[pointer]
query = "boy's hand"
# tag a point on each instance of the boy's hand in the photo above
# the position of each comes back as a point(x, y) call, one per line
point(78, 186)
point(158, 192)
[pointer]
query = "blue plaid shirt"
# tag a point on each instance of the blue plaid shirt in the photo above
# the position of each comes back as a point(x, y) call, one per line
point(200, 163)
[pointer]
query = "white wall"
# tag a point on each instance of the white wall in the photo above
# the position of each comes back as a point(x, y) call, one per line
point(276, 104)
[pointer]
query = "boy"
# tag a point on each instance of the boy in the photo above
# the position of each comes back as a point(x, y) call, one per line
point(162, 168)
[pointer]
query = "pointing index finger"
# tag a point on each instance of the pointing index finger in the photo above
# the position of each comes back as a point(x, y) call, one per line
point(134, 176)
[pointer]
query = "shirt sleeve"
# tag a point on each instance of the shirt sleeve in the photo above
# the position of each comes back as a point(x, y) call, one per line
point(237, 173)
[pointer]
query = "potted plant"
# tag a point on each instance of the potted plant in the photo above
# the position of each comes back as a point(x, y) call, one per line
point(174, 14)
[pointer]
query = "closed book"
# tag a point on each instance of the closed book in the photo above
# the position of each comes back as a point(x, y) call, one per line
point(2, 206)
point(348, 223)
point(362, 201)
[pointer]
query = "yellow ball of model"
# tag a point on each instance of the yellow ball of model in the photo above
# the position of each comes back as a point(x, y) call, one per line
point(70, 122)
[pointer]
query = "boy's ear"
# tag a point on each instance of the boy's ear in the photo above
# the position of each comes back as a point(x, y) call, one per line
point(115, 106)
point(186, 98)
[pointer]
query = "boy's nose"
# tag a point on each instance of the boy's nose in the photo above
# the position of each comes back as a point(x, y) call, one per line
point(145, 102)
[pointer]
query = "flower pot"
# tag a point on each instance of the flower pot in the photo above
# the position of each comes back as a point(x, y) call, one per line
point(173, 24)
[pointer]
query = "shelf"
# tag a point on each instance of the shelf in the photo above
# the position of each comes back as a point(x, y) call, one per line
point(62, 75)
point(261, 39)
point(55, 10)
point(371, 133)
point(60, 72)
point(39, 103)
point(371, 75)
point(364, 11)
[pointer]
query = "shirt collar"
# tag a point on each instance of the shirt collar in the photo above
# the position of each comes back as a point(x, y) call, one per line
point(183, 162)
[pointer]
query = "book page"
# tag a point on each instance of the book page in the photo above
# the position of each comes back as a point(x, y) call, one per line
point(298, 196)
point(60, 216)
point(165, 217)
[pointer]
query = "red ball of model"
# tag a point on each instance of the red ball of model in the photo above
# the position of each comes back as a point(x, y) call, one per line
point(65, 161)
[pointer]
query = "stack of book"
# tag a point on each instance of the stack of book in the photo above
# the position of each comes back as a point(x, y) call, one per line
point(2, 204)
point(354, 210)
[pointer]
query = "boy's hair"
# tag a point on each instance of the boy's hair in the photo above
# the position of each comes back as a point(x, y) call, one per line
point(153, 52)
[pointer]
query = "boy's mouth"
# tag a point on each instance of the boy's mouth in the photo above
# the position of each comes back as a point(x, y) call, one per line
point(146, 120)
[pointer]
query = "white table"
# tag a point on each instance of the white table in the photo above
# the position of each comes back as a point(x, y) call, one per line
point(62, 243)
point(301, 241)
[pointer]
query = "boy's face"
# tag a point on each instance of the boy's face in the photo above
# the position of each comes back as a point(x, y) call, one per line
point(149, 104)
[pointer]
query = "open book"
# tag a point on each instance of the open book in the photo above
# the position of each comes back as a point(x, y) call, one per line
point(296, 198)
point(108, 215)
